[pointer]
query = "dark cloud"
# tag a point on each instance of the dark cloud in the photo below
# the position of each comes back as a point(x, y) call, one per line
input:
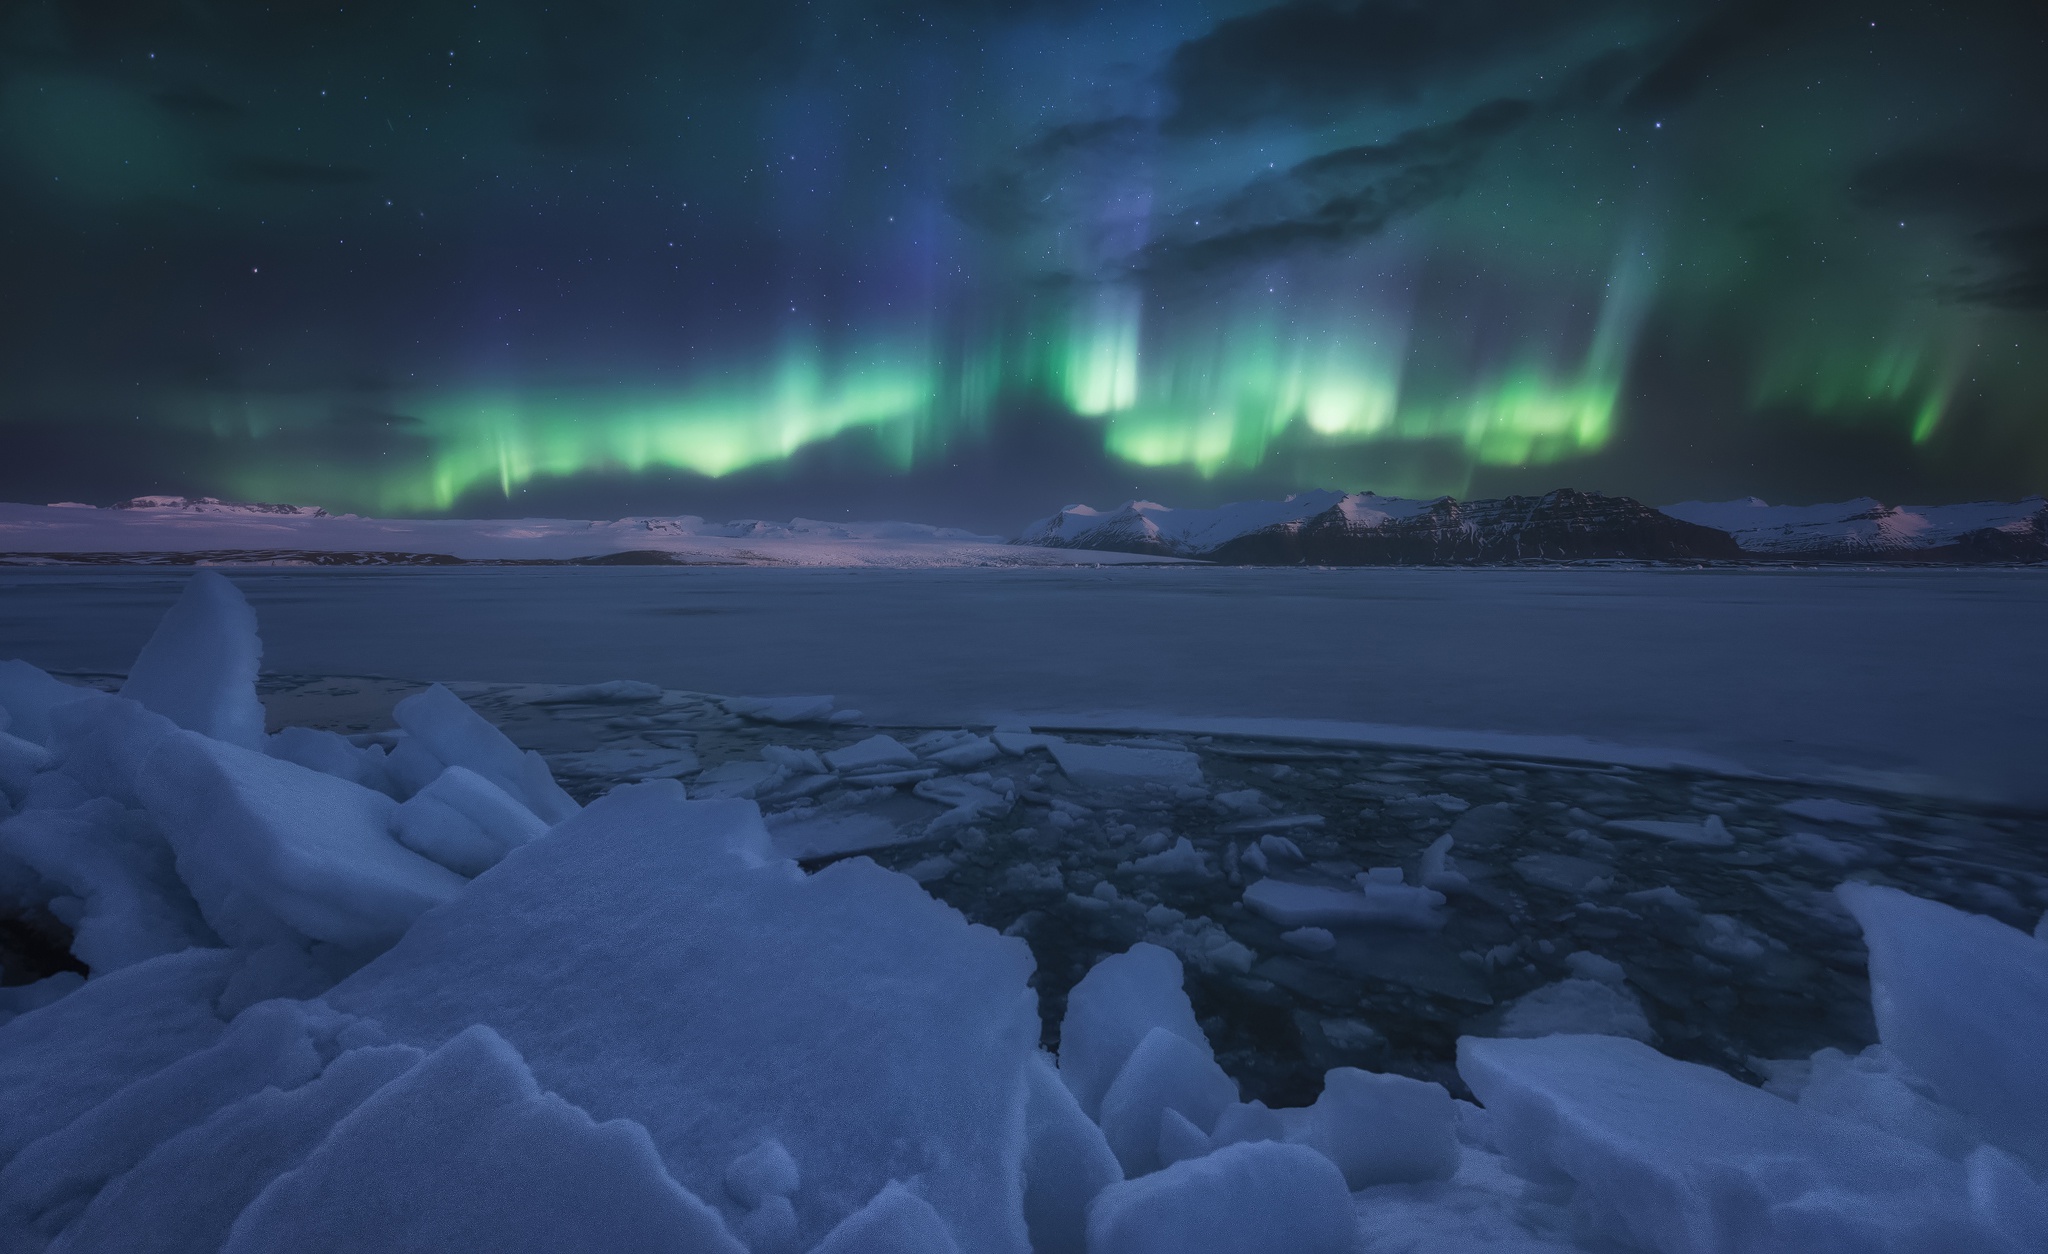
point(2022, 248)
point(1347, 194)
point(1996, 197)
point(1307, 58)
point(1007, 197)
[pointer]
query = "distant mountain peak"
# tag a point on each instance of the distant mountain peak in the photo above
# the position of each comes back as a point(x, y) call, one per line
point(214, 505)
point(1322, 527)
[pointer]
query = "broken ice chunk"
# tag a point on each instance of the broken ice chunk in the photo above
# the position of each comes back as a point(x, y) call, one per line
point(465, 822)
point(1281, 847)
point(1017, 743)
point(466, 1152)
point(28, 695)
point(273, 851)
point(1113, 766)
point(1182, 859)
point(1382, 1129)
point(199, 668)
point(1962, 999)
point(1256, 1197)
point(876, 751)
point(795, 761)
point(966, 803)
point(1165, 1073)
point(780, 709)
point(1672, 1156)
point(1301, 905)
point(448, 733)
point(1310, 940)
point(1120, 1000)
point(1576, 1005)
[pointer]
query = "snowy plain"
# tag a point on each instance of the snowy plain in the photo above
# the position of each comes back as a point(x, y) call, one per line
point(1920, 680)
point(400, 991)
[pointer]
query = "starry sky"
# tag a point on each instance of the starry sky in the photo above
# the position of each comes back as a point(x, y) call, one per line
point(965, 262)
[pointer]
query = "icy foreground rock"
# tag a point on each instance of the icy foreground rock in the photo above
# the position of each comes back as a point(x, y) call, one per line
point(345, 1001)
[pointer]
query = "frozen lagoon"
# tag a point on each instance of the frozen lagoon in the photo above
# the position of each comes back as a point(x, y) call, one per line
point(1919, 680)
point(836, 1051)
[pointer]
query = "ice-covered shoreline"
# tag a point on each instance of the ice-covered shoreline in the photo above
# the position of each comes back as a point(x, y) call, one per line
point(403, 992)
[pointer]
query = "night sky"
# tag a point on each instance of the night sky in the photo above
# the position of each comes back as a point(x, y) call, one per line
point(966, 262)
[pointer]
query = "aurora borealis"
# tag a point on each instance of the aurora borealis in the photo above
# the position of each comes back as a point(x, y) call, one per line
point(965, 261)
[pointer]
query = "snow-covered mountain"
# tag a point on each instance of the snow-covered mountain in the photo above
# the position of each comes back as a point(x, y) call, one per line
point(176, 531)
point(1866, 528)
point(1339, 529)
point(1365, 529)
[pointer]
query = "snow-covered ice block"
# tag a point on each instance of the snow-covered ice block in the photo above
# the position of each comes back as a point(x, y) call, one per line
point(1310, 940)
point(877, 750)
point(333, 754)
point(274, 852)
point(20, 761)
point(870, 1029)
point(1113, 766)
point(445, 732)
point(1249, 1121)
point(1181, 859)
point(965, 803)
point(795, 761)
point(28, 694)
point(1576, 1005)
point(1382, 1129)
point(781, 709)
point(895, 1221)
point(187, 1191)
point(465, 822)
point(1306, 905)
point(60, 1061)
point(52, 1178)
point(1165, 1073)
point(464, 1152)
point(199, 668)
point(1962, 1000)
point(117, 864)
point(1678, 1158)
point(1257, 1197)
point(102, 742)
point(1874, 1087)
point(1067, 1162)
point(1112, 1008)
point(969, 754)
point(1017, 744)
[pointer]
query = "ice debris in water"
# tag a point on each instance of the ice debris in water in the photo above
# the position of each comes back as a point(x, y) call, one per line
point(339, 1000)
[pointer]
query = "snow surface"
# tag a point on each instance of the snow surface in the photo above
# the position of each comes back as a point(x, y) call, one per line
point(1866, 678)
point(645, 1029)
point(266, 536)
